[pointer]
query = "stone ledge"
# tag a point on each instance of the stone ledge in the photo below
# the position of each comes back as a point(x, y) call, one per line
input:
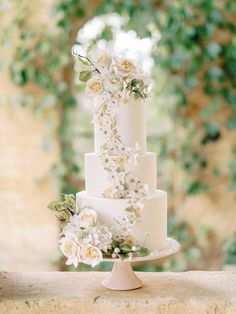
point(173, 293)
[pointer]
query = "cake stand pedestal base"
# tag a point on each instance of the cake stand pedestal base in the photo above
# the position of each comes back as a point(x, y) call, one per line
point(122, 277)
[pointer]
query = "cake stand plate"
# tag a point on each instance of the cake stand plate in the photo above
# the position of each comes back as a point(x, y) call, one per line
point(122, 276)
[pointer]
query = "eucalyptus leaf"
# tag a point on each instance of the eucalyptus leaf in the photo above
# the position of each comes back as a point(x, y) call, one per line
point(84, 76)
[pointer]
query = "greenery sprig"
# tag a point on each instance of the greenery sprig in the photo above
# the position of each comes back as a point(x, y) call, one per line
point(64, 209)
point(121, 249)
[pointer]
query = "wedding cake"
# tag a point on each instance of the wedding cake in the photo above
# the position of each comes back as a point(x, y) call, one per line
point(121, 213)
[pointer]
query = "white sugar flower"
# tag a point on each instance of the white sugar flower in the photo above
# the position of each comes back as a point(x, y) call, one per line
point(71, 249)
point(86, 218)
point(94, 86)
point(121, 160)
point(124, 96)
point(101, 237)
point(133, 152)
point(139, 204)
point(113, 83)
point(132, 181)
point(90, 255)
point(103, 61)
point(117, 250)
point(144, 191)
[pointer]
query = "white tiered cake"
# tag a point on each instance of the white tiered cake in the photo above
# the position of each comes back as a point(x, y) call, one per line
point(151, 229)
point(121, 214)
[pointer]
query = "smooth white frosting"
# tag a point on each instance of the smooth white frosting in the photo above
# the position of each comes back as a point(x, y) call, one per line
point(96, 181)
point(153, 216)
point(131, 124)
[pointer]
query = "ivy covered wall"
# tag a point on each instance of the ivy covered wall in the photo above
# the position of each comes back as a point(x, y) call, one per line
point(194, 94)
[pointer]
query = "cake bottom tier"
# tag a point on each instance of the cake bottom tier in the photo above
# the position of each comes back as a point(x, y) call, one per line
point(150, 231)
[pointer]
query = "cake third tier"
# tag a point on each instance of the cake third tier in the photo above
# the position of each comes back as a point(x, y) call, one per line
point(149, 231)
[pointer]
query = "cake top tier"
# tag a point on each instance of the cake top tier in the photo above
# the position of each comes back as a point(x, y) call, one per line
point(119, 89)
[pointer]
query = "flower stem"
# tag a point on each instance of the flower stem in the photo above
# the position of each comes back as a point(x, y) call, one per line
point(84, 57)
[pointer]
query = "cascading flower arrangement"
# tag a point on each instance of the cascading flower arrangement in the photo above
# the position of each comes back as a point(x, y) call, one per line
point(84, 239)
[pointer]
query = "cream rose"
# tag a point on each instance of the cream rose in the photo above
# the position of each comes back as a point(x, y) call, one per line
point(87, 218)
point(71, 249)
point(90, 255)
point(125, 67)
point(94, 86)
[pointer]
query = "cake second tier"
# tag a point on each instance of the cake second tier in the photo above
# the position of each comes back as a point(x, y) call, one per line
point(96, 177)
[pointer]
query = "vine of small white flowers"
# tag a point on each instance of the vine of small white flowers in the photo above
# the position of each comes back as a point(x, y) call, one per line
point(112, 87)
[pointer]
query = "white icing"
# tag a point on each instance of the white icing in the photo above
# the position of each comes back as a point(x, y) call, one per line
point(96, 181)
point(153, 216)
point(131, 124)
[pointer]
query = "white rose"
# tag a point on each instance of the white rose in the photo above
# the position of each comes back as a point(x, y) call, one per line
point(103, 61)
point(90, 255)
point(71, 249)
point(125, 67)
point(87, 218)
point(94, 86)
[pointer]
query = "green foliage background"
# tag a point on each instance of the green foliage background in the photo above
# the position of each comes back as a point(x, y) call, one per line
point(190, 56)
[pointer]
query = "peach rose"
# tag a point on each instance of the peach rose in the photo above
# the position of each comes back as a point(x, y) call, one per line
point(94, 86)
point(125, 67)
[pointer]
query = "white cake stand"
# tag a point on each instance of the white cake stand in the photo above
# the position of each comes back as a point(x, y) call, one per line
point(122, 276)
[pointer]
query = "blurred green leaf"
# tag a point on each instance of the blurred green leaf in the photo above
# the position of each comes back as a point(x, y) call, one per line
point(213, 50)
point(231, 122)
point(212, 130)
point(197, 187)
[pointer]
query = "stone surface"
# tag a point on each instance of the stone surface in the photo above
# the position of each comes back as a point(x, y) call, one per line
point(173, 293)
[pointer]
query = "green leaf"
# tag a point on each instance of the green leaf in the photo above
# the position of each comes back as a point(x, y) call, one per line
point(212, 130)
point(69, 200)
point(70, 101)
point(141, 251)
point(84, 61)
point(74, 169)
point(129, 209)
point(230, 97)
point(197, 187)
point(203, 233)
point(212, 108)
point(125, 247)
point(55, 206)
point(115, 244)
point(213, 50)
point(215, 74)
point(234, 150)
point(232, 175)
point(84, 76)
point(107, 33)
point(231, 122)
